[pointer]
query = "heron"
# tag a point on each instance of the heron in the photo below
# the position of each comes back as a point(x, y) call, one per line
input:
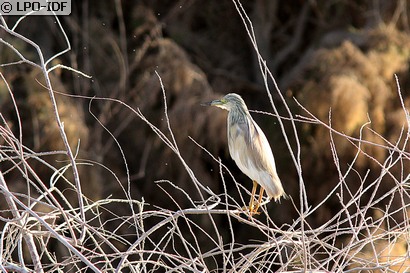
point(250, 149)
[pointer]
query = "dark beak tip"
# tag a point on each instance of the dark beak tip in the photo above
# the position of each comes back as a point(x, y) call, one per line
point(206, 103)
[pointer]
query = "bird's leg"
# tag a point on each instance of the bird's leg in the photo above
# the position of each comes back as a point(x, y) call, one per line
point(260, 199)
point(251, 203)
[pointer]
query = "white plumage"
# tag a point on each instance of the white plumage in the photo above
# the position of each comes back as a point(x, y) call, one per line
point(250, 149)
point(255, 159)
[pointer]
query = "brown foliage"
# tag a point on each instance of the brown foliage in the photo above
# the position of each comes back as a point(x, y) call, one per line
point(200, 50)
point(349, 86)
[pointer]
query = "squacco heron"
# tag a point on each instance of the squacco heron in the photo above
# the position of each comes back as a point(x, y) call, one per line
point(250, 149)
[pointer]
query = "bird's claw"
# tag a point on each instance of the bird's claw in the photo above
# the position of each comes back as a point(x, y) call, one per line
point(252, 210)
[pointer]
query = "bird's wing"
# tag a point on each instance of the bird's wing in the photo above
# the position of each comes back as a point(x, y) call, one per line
point(250, 148)
point(251, 151)
point(260, 151)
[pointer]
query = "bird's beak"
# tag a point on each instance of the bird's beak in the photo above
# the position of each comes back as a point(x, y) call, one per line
point(211, 103)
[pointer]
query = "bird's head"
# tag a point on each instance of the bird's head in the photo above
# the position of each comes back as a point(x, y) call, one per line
point(229, 102)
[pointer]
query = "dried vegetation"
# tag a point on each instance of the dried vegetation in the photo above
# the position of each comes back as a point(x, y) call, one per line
point(153, 188)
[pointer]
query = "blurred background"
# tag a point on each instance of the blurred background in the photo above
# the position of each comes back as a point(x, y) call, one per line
point(338, 55)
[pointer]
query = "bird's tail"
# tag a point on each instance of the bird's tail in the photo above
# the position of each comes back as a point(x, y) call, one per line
point(275, 189)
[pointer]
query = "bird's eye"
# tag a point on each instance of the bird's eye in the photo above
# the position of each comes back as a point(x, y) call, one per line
point(223, 101)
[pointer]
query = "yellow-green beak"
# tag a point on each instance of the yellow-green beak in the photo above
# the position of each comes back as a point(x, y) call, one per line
point(212, 103)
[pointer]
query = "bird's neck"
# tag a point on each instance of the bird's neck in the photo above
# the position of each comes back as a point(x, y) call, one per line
point(239, 115)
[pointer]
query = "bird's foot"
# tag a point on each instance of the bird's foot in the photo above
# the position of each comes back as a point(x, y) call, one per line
point(251, 210)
